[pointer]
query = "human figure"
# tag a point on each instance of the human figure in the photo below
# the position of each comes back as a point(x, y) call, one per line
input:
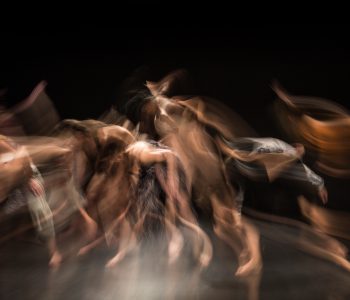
point(181, 126)
point(22, 186)
point(128, 187)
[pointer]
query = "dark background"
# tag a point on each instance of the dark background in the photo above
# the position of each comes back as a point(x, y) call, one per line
point(86, 67)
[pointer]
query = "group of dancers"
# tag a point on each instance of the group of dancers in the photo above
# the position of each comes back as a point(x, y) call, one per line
point(152, 170)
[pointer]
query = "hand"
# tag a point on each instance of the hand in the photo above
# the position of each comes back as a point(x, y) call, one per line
point(323, 194)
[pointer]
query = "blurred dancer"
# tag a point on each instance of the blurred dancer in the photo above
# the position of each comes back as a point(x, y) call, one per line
point(182, 125)
point(22, 187)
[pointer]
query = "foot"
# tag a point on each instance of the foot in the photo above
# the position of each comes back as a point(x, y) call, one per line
point(251, 267)
point(84, 250)
point(174, 249)
point(55, 260)
point(115, 260)
point(204, 260)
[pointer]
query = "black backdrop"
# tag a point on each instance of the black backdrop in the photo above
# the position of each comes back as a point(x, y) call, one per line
point(85, 67)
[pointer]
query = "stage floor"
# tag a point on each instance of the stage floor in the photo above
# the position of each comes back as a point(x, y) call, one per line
point(288, 273)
